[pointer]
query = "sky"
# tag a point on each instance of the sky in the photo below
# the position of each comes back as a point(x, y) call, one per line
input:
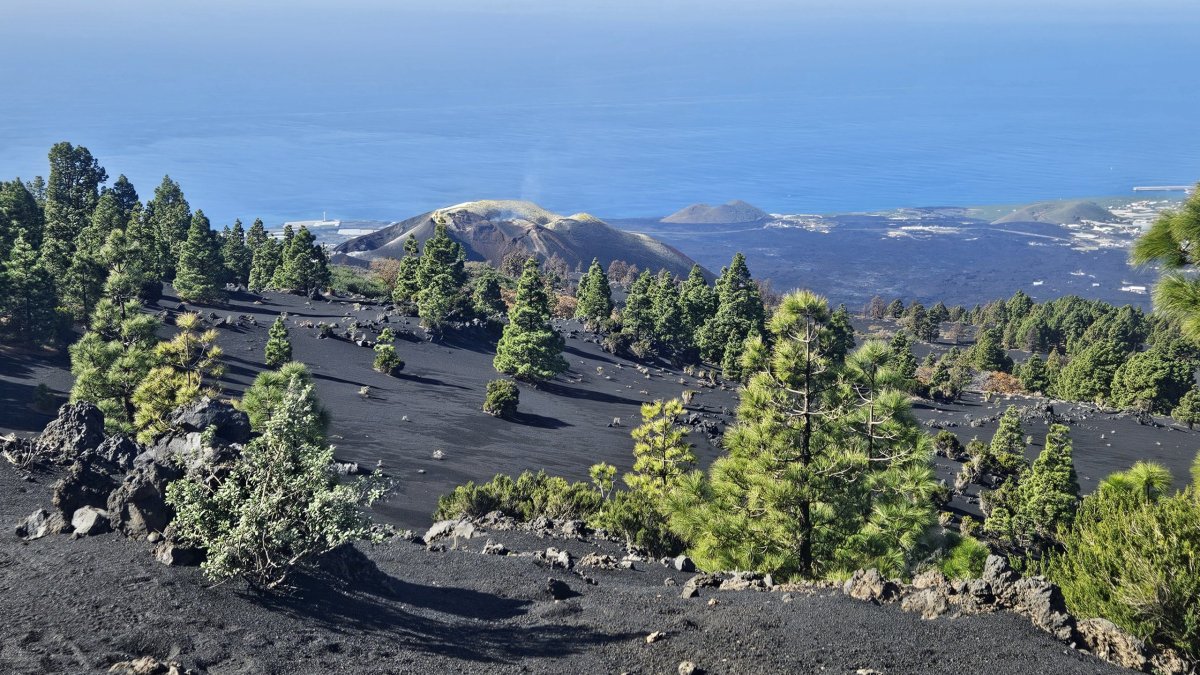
point(457, 97)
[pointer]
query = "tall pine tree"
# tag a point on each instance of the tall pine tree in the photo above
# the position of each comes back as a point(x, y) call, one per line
point(169, 216)
point(236, 255)
point(199, 272)
point(826, 470)
point(530, 349)
point(594, 298)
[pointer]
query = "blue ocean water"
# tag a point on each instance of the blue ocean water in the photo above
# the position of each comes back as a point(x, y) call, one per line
point(371, 109)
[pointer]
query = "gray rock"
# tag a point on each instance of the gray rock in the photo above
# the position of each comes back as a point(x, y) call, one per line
point(1043, 603)
point(170, 553)
point(871, 586)
point(1106, 640)
point(78, 428)
point(116, 453)
point(39, 524)
point(494, 548)
point(929, 579)
point(930, 602)
point(998, 573)
point(684, 564)
point(83, 485)
point(232, 425)
point(138, 506)
point(689, 592)
point(558, 590)
point(90, 520)
point(689, 668)
point(449, 529)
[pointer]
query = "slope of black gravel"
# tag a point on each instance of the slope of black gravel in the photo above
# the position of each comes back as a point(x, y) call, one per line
point(80, 605)
point(431, 408)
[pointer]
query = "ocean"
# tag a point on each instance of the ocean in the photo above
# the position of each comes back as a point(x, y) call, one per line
point(380, 110)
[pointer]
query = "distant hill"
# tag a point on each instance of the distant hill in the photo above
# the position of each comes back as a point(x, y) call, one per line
point(1060, 213)
point(489, 230)
point(735, 211)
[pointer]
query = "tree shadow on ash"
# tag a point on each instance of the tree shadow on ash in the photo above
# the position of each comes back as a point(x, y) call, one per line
point(428, 380)
point(353, 596)
point(571, 392)
point(575, 351)
point(538, 421)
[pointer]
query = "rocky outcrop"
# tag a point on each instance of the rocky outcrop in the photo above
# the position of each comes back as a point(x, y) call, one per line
point(89, 520)
point(1001, 588)
point(83, 485)
point(139, 507)
point(871, 586)
point(229, 424)
point(78, 428)
point(39, 524)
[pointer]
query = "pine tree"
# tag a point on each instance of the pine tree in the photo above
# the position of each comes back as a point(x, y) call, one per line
point(1048, 495)
point(125, 260)
point(143, 247)
point(739, 314)
point(637, 317)
point(441, 255)
point(256, 236)
point(83, 283)
point(989, 355)
point(904, 361)
point(801, 491)
point(279, 347)
point(698, 299)
point(262, 398)
point(236, 255)
point(1033, 374)
point(1006, 453)
point(266, 261)
point(487, 300)
point(436, 303)
point(1169, 243)
point(595, 304)
point(530, 348)
point(169, 216)
point(841, 334)
point(30, 299)
point(110, 361)
point(199, 271)
point(303, 265)
point(124, 196)
point(671, 334)
point(1089, 374)
point(407, 285)
point(895, 309)
point(187, 365)
point(1152, 381)
point(71, 195)
point(662, 454)
point(19, 213)
point(1188, 410)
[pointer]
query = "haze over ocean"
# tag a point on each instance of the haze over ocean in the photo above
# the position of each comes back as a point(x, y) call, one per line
point(365, 110)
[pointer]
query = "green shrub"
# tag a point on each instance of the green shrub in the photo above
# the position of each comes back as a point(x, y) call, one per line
point(279, 507)
point(1135, 560)
point(345, 279)
point(263, 398)
point(529, 496)
point(387, 361)
point(964, 557)
point(633, 515)
point(502, 398)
